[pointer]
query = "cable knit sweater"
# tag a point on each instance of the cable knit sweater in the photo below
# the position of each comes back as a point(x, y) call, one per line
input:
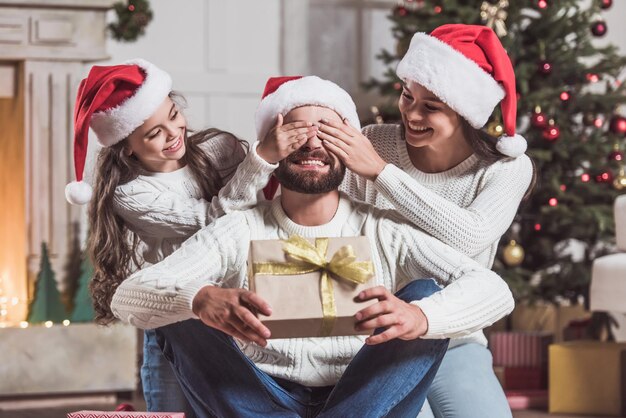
point(473, 296)
point(164, 209)
point(468, 207)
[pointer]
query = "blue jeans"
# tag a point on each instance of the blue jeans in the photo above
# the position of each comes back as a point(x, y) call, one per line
point(390, 379)
point(161, 389)
point(466, 386)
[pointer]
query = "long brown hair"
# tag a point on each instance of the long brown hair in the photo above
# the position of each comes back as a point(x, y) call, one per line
point(484, 146)
point(111, 245)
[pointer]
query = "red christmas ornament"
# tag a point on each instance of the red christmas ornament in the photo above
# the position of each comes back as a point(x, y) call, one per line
point(542, 4)
point(599, 28)
point(131, 7)
point(592, 78)
point(544, 67)
point(553, 202)
point(537, 227)
point(604, 177)
point(437, 9)
point(551, 133)
point(598, 122)
point(539, 120)
point(585, 178)
point(563, 187)
point(401, 11)
point(606, 4)
point(618, 125)
point(616, 156)
point(565, 96)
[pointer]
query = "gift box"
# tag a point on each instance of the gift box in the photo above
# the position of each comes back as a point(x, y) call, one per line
point(522, 378)
point(311, 284)
point(588, 377)
point(520, 349)
point(546, 317)
point(527, 399)
point(119, 414)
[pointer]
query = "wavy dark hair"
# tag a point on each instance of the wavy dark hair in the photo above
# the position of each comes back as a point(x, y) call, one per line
point(484, 146)
point(111, 245)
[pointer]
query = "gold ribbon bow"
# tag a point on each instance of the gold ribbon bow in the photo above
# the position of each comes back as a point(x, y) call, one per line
point(306, 258)
point(494, 16)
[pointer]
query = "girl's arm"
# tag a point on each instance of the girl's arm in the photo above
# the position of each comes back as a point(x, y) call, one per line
point(152, 209)
point(163, 293)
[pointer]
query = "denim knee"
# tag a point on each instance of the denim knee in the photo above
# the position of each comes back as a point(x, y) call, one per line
point(418, 289)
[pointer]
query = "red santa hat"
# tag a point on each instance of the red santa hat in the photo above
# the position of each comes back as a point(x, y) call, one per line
point(467, 67)
point(283, 94)
point(113, 101)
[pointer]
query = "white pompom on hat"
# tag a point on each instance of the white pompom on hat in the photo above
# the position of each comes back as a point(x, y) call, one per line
point(283, 94)
point(467, 67)
point(114, 101)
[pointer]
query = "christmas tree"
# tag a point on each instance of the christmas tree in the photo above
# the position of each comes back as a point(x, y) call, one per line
point(83, 305)
point(569, 98)
point(47, 304)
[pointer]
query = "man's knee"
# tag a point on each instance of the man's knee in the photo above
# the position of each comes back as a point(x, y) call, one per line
point(418, 289)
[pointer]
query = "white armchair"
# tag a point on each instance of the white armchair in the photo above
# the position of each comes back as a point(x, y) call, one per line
point(608, 275)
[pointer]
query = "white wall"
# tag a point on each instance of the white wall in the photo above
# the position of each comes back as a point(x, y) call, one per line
point(220, 53)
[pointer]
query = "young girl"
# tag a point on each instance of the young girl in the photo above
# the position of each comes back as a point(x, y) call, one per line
point(155, 186)
point(448, 177)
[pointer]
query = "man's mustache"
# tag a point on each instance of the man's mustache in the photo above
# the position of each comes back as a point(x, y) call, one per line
point(304, 155)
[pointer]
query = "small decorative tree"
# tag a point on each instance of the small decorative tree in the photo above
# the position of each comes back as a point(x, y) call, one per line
point(46, 304)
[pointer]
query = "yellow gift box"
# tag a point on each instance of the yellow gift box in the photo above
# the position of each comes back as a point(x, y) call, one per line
point(588, 377)
point(311, 284)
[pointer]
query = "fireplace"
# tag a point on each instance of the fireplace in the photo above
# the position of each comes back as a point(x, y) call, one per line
point(44, 46)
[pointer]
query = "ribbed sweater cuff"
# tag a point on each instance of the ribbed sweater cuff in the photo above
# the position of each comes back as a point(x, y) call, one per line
point(186, 295)
point(437, 324)
point(387, 180)
point(258, 162)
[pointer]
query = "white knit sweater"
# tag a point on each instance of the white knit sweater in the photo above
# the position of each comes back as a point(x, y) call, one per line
point(473, 296)
point(164, 209)
point(468, 207)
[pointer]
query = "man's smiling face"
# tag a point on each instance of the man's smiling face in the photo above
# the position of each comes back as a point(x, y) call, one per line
point(311, 169)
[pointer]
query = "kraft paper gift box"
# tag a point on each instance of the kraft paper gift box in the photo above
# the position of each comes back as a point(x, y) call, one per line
point(311, 284)
point(119, 414)
point(588, 377)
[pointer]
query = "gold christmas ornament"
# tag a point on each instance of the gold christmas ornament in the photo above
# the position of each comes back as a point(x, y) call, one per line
point(619, 183)
point(494, 128)
point(494, 16)
point(513, 254)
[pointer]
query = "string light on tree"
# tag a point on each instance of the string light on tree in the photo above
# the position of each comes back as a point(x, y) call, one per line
point(604, 177)
point(585, 178)
point(539, 119)
point(494, 128)
point(565, 96)
point(598, 122)
point(553, 202)
point(542, 4)
point(592, 78)
point(616, 154)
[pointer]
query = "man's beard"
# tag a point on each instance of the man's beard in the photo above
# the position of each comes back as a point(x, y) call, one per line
point(309, 182)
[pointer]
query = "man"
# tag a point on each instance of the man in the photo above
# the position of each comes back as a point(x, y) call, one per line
point(331, 376)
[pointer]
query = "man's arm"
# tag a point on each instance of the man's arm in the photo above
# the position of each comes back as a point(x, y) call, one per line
point(473, 296)
point(163, 293)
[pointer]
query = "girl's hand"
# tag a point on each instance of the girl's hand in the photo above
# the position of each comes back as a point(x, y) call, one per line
point(402, 320)
point(352, 148)
point(232, 311)
point(282, 140)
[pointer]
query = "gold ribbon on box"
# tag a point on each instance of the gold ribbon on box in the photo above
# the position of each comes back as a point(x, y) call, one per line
point(307, 258)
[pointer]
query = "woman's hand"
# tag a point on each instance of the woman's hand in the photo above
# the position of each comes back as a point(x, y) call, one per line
point(282, 140)
point(232, 311)
point(352, 148)
point(402, 320)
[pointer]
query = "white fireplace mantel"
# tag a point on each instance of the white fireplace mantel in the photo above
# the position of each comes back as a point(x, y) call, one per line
point(44, 46)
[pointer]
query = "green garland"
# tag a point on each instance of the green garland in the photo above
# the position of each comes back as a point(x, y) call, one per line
point(132, 18)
